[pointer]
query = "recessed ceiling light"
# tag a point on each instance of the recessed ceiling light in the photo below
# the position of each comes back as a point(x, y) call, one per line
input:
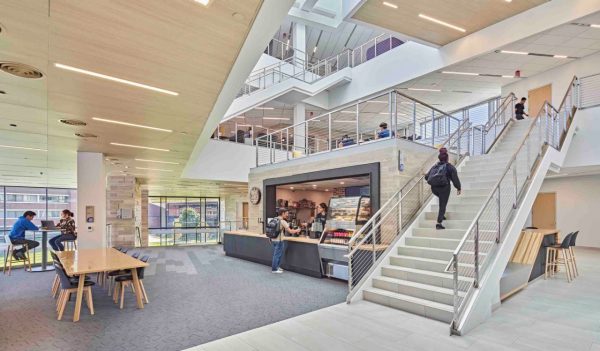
point(157, 161)
point(264, 108)
point(508, 0)
point(424, 89)
point(507, 76)
point(292, 187)
point(595, 25)
point(326, 189)
point(342, 183)
point(461, 73)
point(561, 56)
point(155, 169)
point(388, 4)
point(203, 2)
point(114, 79)
point(435, 20)
point(130, 124)
point(22, 148)
point(276, 118)
point(514, 52)
point(140, 147)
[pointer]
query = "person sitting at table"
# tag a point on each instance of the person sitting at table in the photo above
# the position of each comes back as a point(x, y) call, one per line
point(17, 234)
point(67, 231)
point(383, 132)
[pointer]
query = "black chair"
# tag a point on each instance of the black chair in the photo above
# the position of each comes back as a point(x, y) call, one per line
point(68, 287)
point(531, 228)
point(135, 255)
point(553, 261)
point(122, 281)
point(573, 242)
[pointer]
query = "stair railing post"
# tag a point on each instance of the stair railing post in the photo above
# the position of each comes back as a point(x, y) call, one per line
point(433, 127)
point(414, 118)
point(499, 214)
point(455, 279)
point(516, 185)
point(476, 258)
point(329, 130)
point(287, 143)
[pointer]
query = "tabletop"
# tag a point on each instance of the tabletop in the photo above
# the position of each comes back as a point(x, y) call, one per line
point(85, 261)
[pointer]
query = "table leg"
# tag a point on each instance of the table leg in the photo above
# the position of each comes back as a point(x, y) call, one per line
point(79, 298)
point(138, 289)
point(44, 250)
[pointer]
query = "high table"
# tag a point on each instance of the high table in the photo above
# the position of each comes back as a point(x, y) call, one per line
point(87, 261)
point(44, 267)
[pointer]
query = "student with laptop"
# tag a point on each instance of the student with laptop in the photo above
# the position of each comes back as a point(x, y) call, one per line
point(67, 229)
point(17, 234)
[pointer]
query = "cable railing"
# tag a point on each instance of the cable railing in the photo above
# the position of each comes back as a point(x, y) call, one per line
point(358, 123)
point(295, 63)
point(474, 254)
point(374, 240)
point(485, 136)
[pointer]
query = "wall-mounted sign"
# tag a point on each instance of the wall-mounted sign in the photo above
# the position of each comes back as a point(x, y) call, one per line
point(254, 195)
point(89, 214)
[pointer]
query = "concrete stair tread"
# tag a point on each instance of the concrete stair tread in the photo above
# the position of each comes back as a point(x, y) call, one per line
point(429, 273)
point(424, 259)
point(408, 298)
point(451, 239)
point(434, 288)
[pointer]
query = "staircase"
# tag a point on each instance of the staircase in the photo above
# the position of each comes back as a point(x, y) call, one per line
point(451, 275)
point(415, 279)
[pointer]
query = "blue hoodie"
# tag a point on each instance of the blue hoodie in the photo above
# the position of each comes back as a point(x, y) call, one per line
point(20, 226)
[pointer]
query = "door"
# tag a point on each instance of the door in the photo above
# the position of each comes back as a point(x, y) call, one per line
point(245, 215)
point(543, 214)
point(537, 97)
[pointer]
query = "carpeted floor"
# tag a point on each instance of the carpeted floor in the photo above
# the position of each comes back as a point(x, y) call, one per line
point(197, 294)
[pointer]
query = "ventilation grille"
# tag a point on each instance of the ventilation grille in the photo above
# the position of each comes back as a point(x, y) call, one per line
point(86, 135)
point(20, 70)
point(73, 122)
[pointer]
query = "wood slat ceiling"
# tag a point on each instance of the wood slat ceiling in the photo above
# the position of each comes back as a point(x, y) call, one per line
point(176, 45)
point(468, 14)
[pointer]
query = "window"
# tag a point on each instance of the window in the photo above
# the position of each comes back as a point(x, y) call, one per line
point(183, 212)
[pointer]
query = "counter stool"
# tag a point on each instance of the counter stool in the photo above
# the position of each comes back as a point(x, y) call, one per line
point(553, 259)
point(70, 245)
point(10, 248)
point(573, 240)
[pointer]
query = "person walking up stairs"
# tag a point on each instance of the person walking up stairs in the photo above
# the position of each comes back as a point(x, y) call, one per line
point(439, 177)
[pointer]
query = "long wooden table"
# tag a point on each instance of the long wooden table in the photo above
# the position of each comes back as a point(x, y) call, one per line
point(87, 261)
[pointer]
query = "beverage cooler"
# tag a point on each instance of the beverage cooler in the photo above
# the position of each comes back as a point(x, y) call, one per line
point(345, 217)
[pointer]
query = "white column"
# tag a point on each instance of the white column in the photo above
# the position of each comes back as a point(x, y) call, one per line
point(299, 43)
point(91, 195)
point(300, 130)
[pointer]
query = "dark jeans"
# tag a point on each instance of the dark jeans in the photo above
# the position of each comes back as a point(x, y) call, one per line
point(56, 242)
point(443, 193)
point(519, 117)
point(30, 244)
point(278, 249)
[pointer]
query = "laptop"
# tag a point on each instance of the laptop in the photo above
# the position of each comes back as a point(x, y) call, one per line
point(49, 225)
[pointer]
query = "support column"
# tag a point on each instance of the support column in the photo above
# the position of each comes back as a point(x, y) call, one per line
point(121, 208)
point(300, 130)
point(91, 196)
point(299, 43)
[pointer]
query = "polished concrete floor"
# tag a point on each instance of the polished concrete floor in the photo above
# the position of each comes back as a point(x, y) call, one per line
point(548, 315)
point(197, 294)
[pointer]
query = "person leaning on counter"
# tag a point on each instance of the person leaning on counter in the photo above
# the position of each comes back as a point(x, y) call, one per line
point(278, 242)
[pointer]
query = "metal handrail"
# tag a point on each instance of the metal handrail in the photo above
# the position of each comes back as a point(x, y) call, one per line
point(452, 265)
point(503, 105)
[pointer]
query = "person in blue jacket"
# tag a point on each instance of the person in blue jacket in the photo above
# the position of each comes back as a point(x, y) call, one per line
point(383, 132)
point(17, 234)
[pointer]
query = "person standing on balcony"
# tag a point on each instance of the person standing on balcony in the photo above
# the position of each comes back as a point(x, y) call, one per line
point(383, 132)
point(439, 177)
point(520, 109)
point(17, 234)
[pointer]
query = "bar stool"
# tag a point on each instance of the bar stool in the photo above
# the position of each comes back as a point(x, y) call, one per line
point(70, 245)
point(10, 248)
point(553, 259)
point(573, 240)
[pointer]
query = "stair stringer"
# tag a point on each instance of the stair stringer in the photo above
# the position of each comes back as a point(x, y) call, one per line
point(487, 298)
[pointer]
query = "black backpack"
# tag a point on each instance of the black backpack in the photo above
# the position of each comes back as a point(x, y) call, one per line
point(273, 228)
point(438, 175)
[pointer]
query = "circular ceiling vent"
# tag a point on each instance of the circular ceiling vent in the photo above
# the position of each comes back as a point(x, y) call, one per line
point(86, 135)
point(21, 70)
point(73, 122)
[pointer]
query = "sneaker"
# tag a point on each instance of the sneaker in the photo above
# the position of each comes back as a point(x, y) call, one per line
point(277, 271)
point(439, 226)
point(15, 255)
point(21, 256)
point(445, 218)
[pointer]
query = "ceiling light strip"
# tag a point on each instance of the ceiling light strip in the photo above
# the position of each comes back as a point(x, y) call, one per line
point(446, 24)
point(140, 147)
point(156, 161)
point(155, 169)
point(22, 148)
point(389, 4)
point(114, 79)
point(131, 124)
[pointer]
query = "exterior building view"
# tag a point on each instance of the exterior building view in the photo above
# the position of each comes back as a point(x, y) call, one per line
point(299, 175)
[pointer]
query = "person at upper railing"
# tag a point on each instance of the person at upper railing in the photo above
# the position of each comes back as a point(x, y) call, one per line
point(346, 141)
point(383, 132)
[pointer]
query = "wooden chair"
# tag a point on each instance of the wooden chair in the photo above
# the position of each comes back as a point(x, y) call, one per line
point(122, 281)
point(10, 248)
point(553, 259)
point(68, 287)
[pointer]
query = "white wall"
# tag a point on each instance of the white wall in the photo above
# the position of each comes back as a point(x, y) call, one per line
point(577, 206)
point(91, 191)
point(585, 148)
point(559, 77)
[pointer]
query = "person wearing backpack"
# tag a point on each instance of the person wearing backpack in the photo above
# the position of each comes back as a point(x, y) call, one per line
point(276, 228)
point(439, 177)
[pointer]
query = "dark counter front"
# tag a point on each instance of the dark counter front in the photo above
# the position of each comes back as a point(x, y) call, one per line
point(301, 254)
